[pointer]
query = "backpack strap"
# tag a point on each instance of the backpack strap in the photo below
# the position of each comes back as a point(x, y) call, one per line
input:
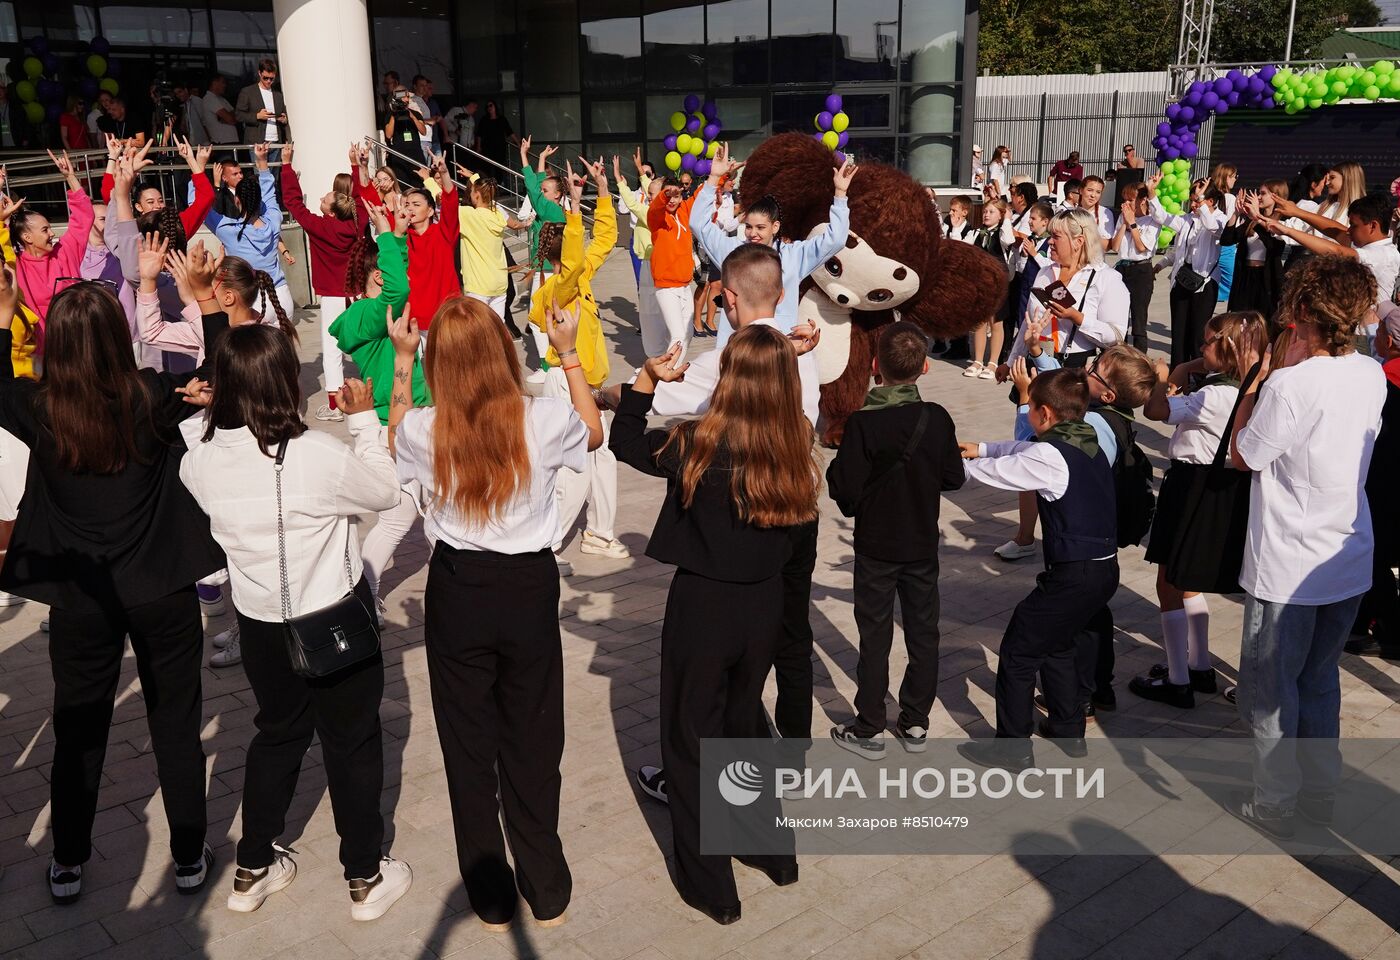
point(904, 457)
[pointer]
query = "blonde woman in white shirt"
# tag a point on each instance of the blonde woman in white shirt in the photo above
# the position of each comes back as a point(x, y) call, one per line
point(490, 458)
point(254, 445)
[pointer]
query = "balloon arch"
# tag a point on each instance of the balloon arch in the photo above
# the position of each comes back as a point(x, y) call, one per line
point(1268, 88)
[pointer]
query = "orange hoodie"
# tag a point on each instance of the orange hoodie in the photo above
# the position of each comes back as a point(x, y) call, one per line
point(672, 263)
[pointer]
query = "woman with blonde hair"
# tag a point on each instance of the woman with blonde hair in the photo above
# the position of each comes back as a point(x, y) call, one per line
point(488, 458)
point(737, 479)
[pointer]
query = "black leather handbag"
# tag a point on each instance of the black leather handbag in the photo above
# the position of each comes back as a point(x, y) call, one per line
point(332, 638)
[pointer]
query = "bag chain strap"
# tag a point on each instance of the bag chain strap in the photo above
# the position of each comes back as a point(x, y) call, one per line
point(282, 541)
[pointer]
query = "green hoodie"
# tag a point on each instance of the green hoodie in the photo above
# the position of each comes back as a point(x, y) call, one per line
point(361, 331)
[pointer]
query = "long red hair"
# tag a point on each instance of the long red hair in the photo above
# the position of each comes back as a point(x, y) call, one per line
point(480, 460)
point(755, 418)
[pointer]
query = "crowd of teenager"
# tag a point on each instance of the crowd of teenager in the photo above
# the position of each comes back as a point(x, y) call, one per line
point(201, 471)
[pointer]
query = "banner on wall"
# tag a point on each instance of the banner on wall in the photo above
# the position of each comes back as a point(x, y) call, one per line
point(1269, 144)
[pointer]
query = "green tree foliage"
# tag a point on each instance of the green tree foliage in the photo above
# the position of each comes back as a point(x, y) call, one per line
point(1038, 36)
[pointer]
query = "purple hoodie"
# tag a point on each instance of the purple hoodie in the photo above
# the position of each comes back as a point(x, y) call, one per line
point(99, 263)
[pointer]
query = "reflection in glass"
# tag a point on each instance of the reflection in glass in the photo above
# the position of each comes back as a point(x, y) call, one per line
point(930, 159)
point(155, 24)
point(931, 38)
point(613, 116)
point(9, 30)
point(867, 37)
point(489, 48)
point(930, 109)
point(244, 23)
point(552, 119)
point(61, 21)
point(551, 44)
point(413, 44)
point(740, 113)
point(675, 46)
point(610, 32)
point(802, 41)
point(738, 42)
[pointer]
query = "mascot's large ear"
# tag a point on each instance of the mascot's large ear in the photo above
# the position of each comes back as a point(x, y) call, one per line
point(796, 171)
point(966, 288)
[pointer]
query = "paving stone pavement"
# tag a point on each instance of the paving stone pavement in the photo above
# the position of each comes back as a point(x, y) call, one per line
point(844, 908)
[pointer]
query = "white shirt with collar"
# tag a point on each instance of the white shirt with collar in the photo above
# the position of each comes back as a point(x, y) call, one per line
point(1099, 294)
point(1197, 240)
point(556, 438)
point(1383, 259)
point(324, 484)
point(1105, 219)
point(1011, 225)
point(1148, 229)
point(966, 233)
point(692, 395)
point(270, 105)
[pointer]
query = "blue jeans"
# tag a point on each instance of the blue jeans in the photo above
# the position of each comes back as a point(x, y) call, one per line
point(1290, 689)
point(636, 266)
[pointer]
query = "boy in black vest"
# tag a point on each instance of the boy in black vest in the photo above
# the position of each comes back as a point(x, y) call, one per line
point(897, 455)
point(1074, 488)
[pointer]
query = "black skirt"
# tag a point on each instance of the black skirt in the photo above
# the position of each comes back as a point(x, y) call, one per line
point(1199, 530)
point(1171, 503)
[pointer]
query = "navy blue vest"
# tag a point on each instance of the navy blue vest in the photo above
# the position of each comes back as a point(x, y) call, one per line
point(1082, 524)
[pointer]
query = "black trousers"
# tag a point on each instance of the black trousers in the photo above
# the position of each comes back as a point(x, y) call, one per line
point(716, 647)
point(496, 668)
point(343, 711)
point(792, 661)
point(876, 583)
point(85, 653)
point(1190, 313)
point(1041, 638)
point(1138, 277)
point(1094, 654)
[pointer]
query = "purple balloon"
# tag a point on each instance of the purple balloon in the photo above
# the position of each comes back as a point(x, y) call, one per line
point(824, 120)
point(843, 138)
point(1222, 86)
point(1268, 72)
point(692, 103)
point(1268, 103)
point(1186, 115)
point(99, 45)
point(1234, 76)
point(1209, 100)
point(833, 103)
point(1222, 108)
point(1194, 127)
point(669, 143)
point(718, 124)
point(1189, 151)
point(709, 110)
point(688, 162)
point(1197, 87)
point(693, 125)
point(1233, 98)
point(39, 44)
point(114, 67)
point(53, 111)
point(51, 63)
point(817, 137)
point(1164, 128)
point(1194, 98)
point(711, 131)
point(88, 87)
point(702, 167)
point(1171, 153)
point(840, 158)
point(1159, 142)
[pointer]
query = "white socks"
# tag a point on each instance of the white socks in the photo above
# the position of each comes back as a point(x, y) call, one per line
point(1198, 631)
point(1174, 641)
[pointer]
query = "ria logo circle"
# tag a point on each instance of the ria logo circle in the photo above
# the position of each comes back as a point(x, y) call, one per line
point(740, 783)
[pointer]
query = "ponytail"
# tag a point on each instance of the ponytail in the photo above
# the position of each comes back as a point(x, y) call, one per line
point(255, 288)
point(551, 235)
point(268, 290)
point(364, 260)
point(166, 223)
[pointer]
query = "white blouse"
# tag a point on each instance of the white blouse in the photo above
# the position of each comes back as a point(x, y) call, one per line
point(1098, 293)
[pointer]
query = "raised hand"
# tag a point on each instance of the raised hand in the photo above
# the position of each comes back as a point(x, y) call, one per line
point(287, 153)
point(115, 146)
point(667, 368)
point(65, 167)
point(200, 267)
point(548, 151)
point(575, 185)
point(562, 326)
point(197, 392)
point(525, 151)
point(355, 396)
point(463, 171)
point(260, 155)
point(396, 209)
point(150, 256)
point(178, 265)
point(423, 173)
point(378, 218)
point(8, 206)
point(1031, 334)
point(1022, 374)
point(201, 157)
point(596, 171)
point(719, 165)
point(403, 331)
point(804, 337)
point(1152, 182)
point(842, 178)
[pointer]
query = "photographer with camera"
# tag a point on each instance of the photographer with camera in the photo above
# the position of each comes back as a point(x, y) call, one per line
point(406, 133)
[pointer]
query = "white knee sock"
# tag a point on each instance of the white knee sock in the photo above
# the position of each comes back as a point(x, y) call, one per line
point(1174, 642)
point(1198, 631)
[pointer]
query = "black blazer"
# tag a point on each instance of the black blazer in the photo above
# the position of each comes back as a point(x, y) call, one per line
point(114, 541)
point(709, 538)
point(898, 521)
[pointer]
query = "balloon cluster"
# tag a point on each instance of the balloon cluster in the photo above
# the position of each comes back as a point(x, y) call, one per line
point(1266, 89)
point(42, 93)
point(1174, 189)
point(831, 126)
point(696, 137)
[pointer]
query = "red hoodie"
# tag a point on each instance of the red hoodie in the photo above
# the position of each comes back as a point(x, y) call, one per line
point(432, 264)
point(331, 240)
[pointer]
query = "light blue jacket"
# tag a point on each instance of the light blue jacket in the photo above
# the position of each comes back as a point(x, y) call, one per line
point(799, 258)
point(1108, 443)
point(256, 244)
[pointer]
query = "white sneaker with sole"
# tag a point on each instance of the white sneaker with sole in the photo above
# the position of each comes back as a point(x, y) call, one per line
point(652, 780)
point(602, 546)
point(324, 412)
point(65, 883)
point(231, 655)
point(189, 880)
point(252, 887)
point(1011, 550)
point(222, 639)
point(371, 899)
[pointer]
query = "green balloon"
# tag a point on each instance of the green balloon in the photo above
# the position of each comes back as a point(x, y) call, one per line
point(831, 138)
point(673, 160)
point(109, 84)
point(34, 112)
point(1372, 92)
point(711, 150)
point(683, 143)
point(1395, 83)
point(97, 65)
point(1314, 103)
point(1383, 68)
point(678, 121)
point(1369, 78)
point(33, 67)
point(25, 91)
point(1339, 88)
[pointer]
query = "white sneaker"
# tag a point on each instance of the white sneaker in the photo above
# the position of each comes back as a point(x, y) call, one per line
point(566, 569)
point(324, 412)
point(65, 884)
point(602, 546)
point(973, 369)
point(221, 640)
point(371, 899)
point(209, 609)
point(190, 879)
point(230, 656)
point(1011, 550)
point(10, 600)
point(252, 887)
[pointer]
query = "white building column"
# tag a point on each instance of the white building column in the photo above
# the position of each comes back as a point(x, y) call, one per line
point(323, 59)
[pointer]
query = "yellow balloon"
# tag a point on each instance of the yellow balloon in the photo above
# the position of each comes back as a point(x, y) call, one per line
point(711, 150)
point(677, 121)
point(831, 138)
point(673, 161)
point(683, 143)
point(839, 122)
point(697, 146)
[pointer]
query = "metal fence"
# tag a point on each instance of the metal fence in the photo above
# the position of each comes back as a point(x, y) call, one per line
point(1045, 127)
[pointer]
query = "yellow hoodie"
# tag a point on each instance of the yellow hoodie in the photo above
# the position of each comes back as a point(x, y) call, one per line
point(574, 281)
point(26, 322)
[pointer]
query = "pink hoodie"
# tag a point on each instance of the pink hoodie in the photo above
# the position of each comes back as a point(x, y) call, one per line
point(36, 275)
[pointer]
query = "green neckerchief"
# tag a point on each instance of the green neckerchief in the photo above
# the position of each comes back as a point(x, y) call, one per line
point(1125, 412)
point(892, 395)
point(1076, 433)
point(1220, 380)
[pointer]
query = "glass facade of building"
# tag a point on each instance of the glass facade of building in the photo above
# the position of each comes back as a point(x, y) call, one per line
point(601, 76)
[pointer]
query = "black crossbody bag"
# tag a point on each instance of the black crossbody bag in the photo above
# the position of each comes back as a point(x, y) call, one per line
point(904, 457)
point(332, 638)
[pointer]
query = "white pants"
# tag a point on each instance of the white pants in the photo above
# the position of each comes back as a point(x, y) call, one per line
point(655, 340)
point(284, 297)
point(597, 484)
point(379, 544)
point(332, 360)
point(14, 469)
point(677, 308)
point(497, 304)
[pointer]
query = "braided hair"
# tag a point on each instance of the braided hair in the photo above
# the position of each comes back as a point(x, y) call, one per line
point(364, 260)
point(165, 222)
point(551, 242)
point(255, 288)
point(249, 194)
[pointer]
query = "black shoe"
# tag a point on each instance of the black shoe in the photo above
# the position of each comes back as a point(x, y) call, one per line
point(783, 876)
point(1089, 717)
point(1163, 691)
point(721, 915)
point(1202, 681)
point(871, 748)
point(991, 753)
point(65, 886)
point(1275, 822)
point(1231, 693)
point(189, 880)
point(1316, 808)
point(913, 739)
point(1072, 746)
point(652, 780)
point(1104, 700)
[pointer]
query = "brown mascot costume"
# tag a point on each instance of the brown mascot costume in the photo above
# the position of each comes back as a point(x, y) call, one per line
point(895, 265)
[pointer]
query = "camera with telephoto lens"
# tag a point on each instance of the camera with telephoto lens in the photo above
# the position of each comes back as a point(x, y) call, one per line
point(166, 104)
point(399, 104)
